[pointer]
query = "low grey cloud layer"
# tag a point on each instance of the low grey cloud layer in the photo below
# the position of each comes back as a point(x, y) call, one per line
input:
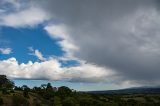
point(120, 34)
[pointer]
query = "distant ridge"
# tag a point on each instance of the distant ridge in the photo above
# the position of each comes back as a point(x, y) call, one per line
point(135, 90)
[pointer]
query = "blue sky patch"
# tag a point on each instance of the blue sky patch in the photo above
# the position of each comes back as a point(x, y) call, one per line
point(22, 38)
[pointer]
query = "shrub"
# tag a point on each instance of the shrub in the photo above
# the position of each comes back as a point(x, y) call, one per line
point(56, 101)
point(36, 102)
point(25, 94)
point(1, 101)
point(12, 91)
point(4, 91)
point(69, 101)
point(18, 100)
point(64, 92)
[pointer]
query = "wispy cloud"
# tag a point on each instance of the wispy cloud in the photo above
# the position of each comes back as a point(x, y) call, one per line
point(36, 53)
point(5, 50)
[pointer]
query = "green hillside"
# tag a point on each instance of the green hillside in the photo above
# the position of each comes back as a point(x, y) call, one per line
point(47, 95)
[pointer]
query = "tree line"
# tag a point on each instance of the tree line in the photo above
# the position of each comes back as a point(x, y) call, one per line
point(47, 95)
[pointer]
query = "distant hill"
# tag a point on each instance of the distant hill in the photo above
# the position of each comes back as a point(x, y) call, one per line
point(137, 90)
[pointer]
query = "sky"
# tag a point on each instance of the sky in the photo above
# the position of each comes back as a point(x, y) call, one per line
point(83, 44)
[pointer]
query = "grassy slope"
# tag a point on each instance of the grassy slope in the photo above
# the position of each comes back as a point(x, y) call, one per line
point(7, 98)
point(142, 98)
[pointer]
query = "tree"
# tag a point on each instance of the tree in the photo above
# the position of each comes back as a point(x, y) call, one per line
point(43, 86)
point(3, 80)
point(26, 89)
point(64, 91)
point(18, 88)
point(9, 84)
point(25, 94)
point(5, 83)
point(48, 92)
point(49, 86)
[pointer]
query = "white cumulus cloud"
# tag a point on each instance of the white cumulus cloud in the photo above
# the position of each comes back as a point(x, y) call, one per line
point(52, 70)
point(27, 17)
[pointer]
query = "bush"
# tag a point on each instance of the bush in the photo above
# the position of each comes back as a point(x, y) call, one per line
point(86, 101)
point(12, 91)
point(1, 101)
point(18, 100)
point(25, 94)
point(69, 101)
point(132, 102)
point(64, 92)
point(4, 91)
point(36, 102)
point(57, 101)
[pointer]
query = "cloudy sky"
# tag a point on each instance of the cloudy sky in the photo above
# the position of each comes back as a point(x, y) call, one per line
point(83, 44)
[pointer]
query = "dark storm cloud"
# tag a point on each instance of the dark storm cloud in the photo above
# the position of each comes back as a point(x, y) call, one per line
point(121, 34)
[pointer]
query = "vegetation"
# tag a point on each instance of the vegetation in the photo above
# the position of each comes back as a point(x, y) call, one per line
point(47, 95)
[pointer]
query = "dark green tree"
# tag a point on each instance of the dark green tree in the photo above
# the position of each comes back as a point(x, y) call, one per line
point(43, 86)
point(49, 86)
point(64, 91)
point(5, 82)
point(26, 89)
point(48, 92)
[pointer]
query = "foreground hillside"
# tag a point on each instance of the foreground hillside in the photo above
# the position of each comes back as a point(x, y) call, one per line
point(17, 98)
point(47, 95)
